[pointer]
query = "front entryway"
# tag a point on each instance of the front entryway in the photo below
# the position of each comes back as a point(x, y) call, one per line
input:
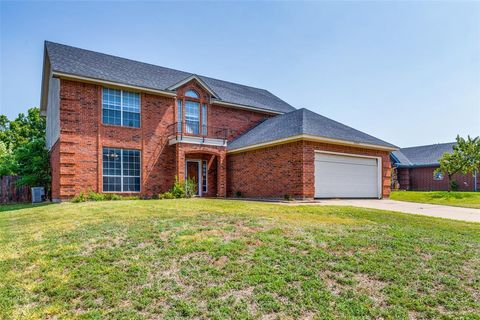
point(192, 172)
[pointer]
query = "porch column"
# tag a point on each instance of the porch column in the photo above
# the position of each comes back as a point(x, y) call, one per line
point(221, 175)
point(180, 172)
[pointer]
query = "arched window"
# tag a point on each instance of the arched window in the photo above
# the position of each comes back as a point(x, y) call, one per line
point(192, 94)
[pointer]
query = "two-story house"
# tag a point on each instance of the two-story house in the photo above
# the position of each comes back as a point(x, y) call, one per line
point(123, 126)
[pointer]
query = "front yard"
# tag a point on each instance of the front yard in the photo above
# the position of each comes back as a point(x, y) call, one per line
point(457, 199)
point(233, 259)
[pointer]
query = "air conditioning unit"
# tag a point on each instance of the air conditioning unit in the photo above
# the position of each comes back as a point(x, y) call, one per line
point(38, 194)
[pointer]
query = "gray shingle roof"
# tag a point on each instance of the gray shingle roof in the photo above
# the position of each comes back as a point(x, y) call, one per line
point(302, 121)
point(86, 63)
point(421, 155)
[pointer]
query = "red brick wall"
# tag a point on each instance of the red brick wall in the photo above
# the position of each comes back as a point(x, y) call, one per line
point(287, 169)
point(238, 120)
point(55, 167)
point(82, 137)
point(77, 157)
point(267, 173)
point(421, 179)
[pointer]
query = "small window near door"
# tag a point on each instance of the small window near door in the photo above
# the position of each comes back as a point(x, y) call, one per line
point(179, 115)
point(204, 176)
point(204, 119)
point(438, 176)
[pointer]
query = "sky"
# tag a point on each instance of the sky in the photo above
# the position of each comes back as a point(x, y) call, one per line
point(405, 72)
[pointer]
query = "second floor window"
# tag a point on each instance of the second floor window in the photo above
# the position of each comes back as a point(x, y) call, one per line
point(121, 108)
point(192, 117)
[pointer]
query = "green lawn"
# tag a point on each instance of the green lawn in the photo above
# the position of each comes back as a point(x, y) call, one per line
point(199, 258)
point(457, 199)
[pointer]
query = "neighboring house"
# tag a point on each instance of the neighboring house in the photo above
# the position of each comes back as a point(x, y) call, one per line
point(415, 168)
point(122, 126)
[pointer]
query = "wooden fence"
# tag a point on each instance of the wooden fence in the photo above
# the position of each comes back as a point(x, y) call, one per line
point(9, 193)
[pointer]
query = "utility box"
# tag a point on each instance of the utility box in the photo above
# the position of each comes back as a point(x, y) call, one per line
point(38, 194)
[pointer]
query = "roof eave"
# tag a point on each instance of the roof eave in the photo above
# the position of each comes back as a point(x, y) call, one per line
point(314, 139)
point(242, 106)
point(46, 74)
point(427, 165)
point(68, 76)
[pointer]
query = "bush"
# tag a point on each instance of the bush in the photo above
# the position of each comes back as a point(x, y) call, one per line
point(95, 196)
point(454, 185)
point(238, 194)
point(166, 195)
point(190, 187)
point(184, 189)
point(80, 198)
point(178, 189)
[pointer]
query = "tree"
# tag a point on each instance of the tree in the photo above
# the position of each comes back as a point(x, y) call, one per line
point(32, 164)
point(23, 129)
point(22, 149)
point(7, 160)
point(464, 159)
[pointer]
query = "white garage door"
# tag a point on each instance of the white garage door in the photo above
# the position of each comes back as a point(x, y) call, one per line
point(339, 176)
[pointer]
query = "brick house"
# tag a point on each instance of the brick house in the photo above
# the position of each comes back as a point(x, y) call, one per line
point(122, 126)
point(415, 167)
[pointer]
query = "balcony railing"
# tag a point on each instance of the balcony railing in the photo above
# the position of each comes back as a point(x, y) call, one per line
point(194, 129)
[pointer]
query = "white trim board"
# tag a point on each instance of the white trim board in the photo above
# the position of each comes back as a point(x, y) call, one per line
point(67, 76)
point(198, 140)
point(314, 139)
point(113, 84)
point(245, 107)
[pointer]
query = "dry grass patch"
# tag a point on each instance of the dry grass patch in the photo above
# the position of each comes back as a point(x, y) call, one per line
point(232, 259)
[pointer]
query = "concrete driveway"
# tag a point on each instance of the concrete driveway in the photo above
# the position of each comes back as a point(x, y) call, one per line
point(432, 210)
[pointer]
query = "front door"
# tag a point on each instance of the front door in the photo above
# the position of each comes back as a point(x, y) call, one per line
point(193, 172)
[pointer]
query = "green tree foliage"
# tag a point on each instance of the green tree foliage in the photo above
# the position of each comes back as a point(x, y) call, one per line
point(464, 159)
point(7, 161)
point(32, 164)
point(22, 148)
point(23, 129)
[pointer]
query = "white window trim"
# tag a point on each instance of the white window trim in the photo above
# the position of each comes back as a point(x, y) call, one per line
point(121, 171)
point(206, 176)
point(199, 109)
point(121, 109)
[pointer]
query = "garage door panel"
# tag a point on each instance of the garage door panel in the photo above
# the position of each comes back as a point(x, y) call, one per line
point(338, 176)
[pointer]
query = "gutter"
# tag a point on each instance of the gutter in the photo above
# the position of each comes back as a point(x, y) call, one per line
point(428, 165)
point(310, 138)
point(241, 106)
point(69, 76)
